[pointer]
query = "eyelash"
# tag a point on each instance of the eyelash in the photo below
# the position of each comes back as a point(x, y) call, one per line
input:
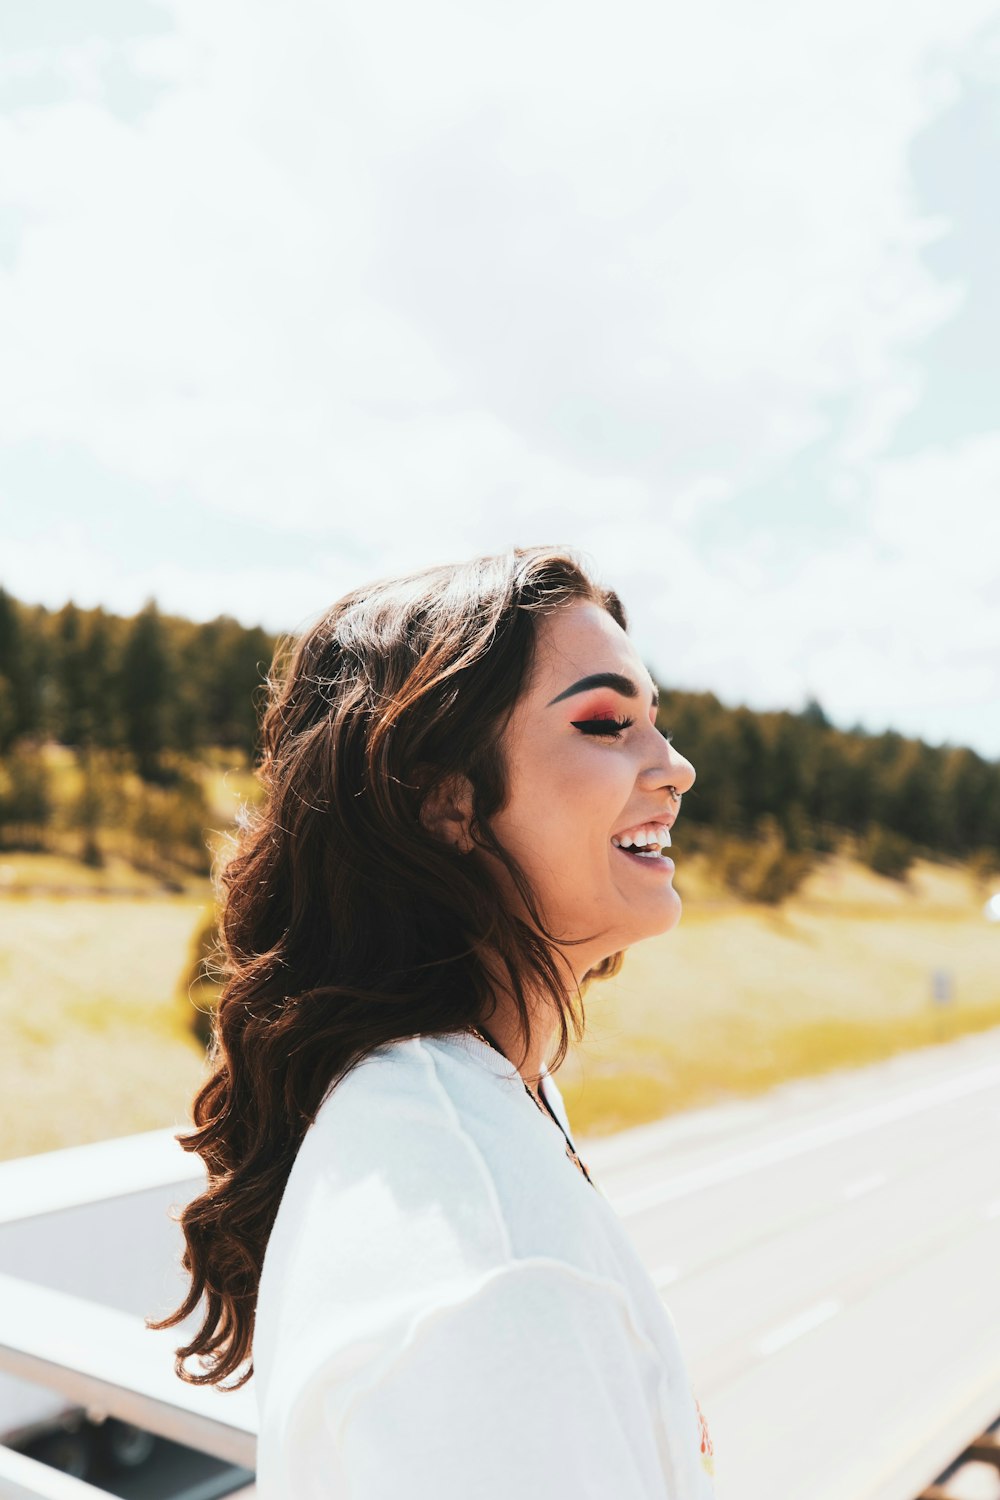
point(610, 728)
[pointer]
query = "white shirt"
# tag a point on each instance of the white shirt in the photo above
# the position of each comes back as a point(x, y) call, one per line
point(448, 1310)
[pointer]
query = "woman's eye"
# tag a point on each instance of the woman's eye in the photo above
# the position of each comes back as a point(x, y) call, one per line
point(610, 727)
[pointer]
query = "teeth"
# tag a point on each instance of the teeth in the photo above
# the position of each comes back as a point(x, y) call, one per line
point(653, 834)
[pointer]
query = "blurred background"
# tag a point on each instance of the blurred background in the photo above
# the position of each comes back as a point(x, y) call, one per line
point(293, 297)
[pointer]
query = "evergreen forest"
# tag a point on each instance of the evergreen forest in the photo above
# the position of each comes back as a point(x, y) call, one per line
point(140, 706)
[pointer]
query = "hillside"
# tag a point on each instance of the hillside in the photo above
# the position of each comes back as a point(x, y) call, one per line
point(832, 879)
point(740, 996)
point(98, 1040)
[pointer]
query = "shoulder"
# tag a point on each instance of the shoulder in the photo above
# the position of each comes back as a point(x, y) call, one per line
point(422, 1173)
point(389, 1198)
point(389, 1181)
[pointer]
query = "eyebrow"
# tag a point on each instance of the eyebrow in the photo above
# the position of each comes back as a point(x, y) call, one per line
point(614, 680)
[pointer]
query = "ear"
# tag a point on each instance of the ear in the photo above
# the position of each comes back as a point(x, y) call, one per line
point(446, 811)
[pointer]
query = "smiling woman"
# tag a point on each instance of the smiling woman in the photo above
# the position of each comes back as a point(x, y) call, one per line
point(464, 823)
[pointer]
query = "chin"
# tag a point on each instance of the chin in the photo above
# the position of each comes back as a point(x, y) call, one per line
point(657, 925)
point(665, 920)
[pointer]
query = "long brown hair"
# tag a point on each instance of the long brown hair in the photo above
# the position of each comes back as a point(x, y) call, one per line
point(343, 923)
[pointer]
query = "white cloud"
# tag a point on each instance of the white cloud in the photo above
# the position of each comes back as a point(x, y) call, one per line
point(620, 241)
point(895, 624)
point(940, 509)
point(445, 277)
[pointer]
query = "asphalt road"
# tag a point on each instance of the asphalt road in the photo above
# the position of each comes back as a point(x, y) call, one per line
point(830, 1253)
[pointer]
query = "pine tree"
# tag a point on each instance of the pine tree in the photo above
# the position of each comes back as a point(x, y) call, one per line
point(13, 704)
point(143, 687)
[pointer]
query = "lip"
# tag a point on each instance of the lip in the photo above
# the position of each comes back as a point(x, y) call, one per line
point(664, 863)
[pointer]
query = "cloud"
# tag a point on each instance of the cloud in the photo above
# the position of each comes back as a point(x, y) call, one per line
point(896, 623)
point(628, 245)
point(441, 278)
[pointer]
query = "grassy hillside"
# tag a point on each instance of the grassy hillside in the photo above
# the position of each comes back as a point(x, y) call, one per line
point(95, 1044)
point(739, 997)
point(735, 999)
point(814, 918)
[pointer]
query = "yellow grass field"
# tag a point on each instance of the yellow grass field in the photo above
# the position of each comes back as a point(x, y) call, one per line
point(735, 999)
point(740, 997)
point(94, 1042)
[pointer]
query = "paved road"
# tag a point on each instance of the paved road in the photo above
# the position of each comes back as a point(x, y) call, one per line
point(831, 1257)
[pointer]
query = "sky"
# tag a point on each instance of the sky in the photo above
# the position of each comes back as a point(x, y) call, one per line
point(295, 297)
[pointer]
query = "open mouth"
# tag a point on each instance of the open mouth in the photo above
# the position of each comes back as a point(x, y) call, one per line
point(650, 842)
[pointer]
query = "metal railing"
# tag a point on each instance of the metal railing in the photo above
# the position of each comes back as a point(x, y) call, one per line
point(24, 1478)
point(110, 1364)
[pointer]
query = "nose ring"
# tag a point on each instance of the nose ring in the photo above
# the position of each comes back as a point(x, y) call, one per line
point(675, 792)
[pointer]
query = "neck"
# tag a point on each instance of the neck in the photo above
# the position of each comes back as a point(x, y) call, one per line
point(504, 1022)
point(504, 1028)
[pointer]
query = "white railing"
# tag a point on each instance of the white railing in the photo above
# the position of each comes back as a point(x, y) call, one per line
point(110, 1363)
point(23, 1478)
point(96, 1359)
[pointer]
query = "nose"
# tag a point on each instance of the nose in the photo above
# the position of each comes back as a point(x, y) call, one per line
point(670, 768)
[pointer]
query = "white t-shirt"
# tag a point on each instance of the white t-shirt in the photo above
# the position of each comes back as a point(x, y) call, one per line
point(448, 1310)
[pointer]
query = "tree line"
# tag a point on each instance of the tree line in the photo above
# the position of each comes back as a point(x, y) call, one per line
point(145, 683)
point(781, 786)
point(139, 702)
point(814, 779)
point(143, 698)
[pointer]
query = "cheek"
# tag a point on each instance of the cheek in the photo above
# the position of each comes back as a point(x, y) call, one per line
point(575, 797)
point(602, 779)
point(565, 796)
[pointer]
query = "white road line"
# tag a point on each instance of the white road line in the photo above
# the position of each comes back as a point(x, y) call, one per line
point(864, 1185)
point(785, 1147)
point(787, 1333)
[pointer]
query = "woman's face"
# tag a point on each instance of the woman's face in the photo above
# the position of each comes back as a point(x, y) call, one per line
point(579, 777)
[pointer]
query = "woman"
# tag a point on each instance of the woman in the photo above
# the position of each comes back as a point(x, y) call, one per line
point(462, 768)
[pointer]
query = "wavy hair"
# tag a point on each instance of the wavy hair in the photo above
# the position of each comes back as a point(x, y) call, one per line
point(343, 923)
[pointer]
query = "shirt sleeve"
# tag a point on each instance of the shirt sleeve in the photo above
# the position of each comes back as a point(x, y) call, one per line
point(536, 1385)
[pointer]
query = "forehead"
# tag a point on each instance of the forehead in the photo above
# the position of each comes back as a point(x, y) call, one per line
point(577, 640)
